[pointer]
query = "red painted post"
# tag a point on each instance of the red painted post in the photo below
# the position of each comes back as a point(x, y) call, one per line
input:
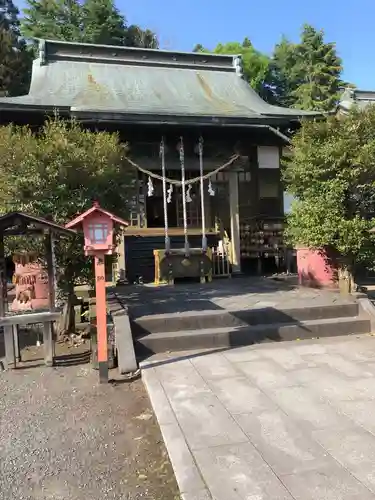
point(98, 227)
point(101, 318)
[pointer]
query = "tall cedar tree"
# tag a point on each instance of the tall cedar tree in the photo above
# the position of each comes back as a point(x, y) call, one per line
point(93, 21)
point(15, 59)
point(307, 74)
point(102, 23)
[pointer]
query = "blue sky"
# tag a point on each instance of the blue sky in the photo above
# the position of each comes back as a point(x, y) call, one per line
point(180, 25)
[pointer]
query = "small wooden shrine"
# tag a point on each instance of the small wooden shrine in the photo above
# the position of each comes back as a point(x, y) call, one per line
point(34, 281)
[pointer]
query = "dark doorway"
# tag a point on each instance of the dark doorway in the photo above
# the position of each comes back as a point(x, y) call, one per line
point(155, 212)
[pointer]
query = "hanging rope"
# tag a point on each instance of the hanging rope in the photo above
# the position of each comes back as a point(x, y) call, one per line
point(175, 182)
point(204, 237)
point(165, 206)
point(182, 162)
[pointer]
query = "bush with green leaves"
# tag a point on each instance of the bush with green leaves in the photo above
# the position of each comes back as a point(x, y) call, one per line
point(58, 173)
point(331, 172)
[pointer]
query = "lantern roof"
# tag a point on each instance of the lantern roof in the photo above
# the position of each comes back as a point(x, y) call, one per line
point(96, 208)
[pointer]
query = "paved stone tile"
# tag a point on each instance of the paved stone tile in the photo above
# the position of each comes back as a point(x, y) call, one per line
point(238, 395)
point(184, 382)
point(354, 449)
point(266, 374)
point(205, 422)
point(287, 359)
point(304, 348)
point(214, 366)
point(326, 483)
point(187, 474)
point(309, 377)
point(360, 349)
point(175, 370)
point(232, 295)
point(338, 388)
point(360, 412)
point(241, 354)
point(300, 411)
point(281, 443)
point(238, 472)
point(345, 367)
point(308, 411)
point(159, 400)
point(198, 495)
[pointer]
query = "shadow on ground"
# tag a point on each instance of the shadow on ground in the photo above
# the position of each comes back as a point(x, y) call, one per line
point(183, 297)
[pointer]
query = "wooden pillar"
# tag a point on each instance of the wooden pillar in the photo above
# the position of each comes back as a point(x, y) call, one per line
point(48, 245)
point(120, 263)
point(234, 221)
point(48, 343)
point(3, 281)
point(10, 353)
point(101, 318)
point(17, 350)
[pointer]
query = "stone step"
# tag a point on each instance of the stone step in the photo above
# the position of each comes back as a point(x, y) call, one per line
point(235, 336)
point(201, 320)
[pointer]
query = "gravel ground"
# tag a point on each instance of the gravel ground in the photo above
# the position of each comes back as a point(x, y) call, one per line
point(64, 437)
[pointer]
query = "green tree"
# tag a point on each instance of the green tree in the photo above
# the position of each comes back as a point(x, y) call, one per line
point(331, 173)
point(93, 21)
point(282, 76)
point(103, 23)
point(52, 19)
point(307, 75)
point(15, 59)
point(58, 173)
point(138, 37)
point(256, 66)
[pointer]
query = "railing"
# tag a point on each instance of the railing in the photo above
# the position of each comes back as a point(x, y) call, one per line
point(220, 260)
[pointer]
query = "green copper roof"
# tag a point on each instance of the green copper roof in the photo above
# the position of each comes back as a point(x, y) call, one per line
point(83, 78)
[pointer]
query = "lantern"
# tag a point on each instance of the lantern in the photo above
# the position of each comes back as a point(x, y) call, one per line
point(97, 225)
point(98, 233)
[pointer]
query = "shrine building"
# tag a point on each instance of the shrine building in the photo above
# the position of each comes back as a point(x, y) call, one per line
point(204, 147)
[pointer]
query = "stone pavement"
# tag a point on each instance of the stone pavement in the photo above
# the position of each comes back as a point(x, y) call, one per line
point(270, 421)
point(226, 294)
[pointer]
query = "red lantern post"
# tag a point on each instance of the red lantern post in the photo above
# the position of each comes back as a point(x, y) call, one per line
point(98, 229)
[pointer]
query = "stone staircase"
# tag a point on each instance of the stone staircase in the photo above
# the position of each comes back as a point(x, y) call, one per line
point(224, 329)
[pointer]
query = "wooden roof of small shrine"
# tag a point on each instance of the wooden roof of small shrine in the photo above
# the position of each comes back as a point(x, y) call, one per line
point(144, 85)
point(18, 223)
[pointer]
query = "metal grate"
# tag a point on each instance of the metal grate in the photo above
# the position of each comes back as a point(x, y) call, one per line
point(220, 260)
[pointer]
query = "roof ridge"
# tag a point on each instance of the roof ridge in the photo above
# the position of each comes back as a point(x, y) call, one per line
point(53, 50)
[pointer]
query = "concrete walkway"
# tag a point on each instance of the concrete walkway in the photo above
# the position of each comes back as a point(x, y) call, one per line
point(270, 422)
